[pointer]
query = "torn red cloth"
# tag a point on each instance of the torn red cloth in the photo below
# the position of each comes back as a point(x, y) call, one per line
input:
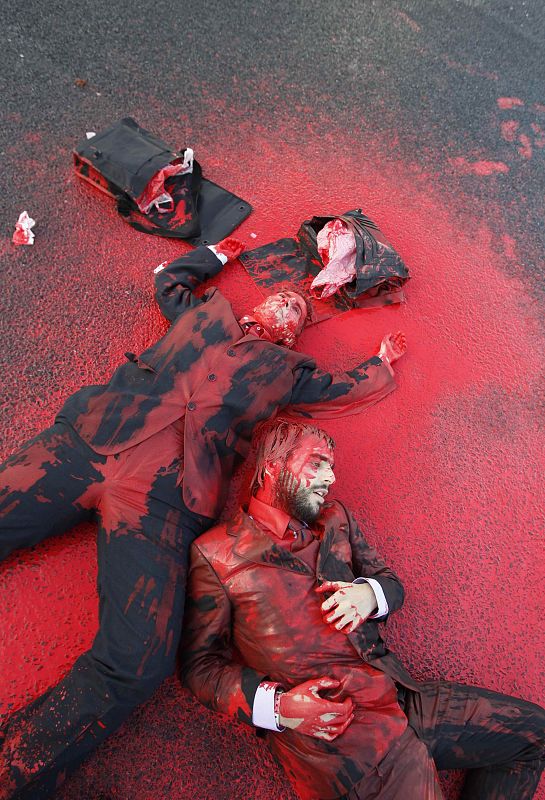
point(337, 249)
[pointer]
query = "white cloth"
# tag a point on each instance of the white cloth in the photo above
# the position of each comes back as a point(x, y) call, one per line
point(263, 708)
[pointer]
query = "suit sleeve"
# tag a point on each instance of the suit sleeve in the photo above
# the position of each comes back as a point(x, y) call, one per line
point(323, 395)
point(367, 563)
point(208, 666)
point(175, 283)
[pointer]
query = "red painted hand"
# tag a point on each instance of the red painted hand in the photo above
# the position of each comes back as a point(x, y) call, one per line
point(304, 710)
point(351, 604)
point(392, 347)
point(230, 247)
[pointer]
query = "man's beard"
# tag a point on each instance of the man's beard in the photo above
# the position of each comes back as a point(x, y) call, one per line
point(303, 507)
point(295, 500)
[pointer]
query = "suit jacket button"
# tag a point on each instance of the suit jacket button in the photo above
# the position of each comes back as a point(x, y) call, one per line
point(191, 406)
point(231, 352)
point(211, 377)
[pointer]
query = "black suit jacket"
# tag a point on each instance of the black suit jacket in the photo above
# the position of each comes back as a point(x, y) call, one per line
point(220, 379)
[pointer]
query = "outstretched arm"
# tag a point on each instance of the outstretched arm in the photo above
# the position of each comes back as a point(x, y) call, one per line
point(176, 282)
point(208, 668)
point(322, 394)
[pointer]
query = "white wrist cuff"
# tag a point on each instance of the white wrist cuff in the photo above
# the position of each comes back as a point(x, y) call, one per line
point(382, 603)
point(222, 257)
point(263, 708)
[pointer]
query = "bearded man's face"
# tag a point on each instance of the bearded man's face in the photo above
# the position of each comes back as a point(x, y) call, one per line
point(304, 481)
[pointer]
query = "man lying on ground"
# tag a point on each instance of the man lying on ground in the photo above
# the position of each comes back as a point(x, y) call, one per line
point(282, 631)
point(149, 457)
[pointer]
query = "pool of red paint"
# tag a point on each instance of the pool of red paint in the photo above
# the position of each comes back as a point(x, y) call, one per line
point(445, 474)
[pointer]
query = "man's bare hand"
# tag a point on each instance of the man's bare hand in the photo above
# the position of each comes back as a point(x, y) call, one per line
point(392, 347)
point(349, 606)
point(230, 247)
point(304, 710)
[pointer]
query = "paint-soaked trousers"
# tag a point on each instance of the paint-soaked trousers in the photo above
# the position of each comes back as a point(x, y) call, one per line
point(500, 740)
point(144, 533)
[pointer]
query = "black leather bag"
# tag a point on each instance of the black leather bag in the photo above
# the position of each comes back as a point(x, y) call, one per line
point(121, 161)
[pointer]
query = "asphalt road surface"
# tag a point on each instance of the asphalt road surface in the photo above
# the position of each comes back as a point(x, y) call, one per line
point(431, 117)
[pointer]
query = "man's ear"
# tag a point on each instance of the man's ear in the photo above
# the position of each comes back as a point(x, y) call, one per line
point(272, 470)
point(271, 474)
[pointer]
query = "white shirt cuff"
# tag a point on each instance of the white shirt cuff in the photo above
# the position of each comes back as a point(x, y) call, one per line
point(222, 257)
point(263, 708)
point(382, 603)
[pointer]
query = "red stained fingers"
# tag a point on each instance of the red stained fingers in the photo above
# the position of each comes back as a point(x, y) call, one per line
point(305, 710)
point(349, 605)
point(333, 730)
point(230, 247)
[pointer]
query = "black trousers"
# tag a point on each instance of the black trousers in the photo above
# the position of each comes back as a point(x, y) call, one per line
point(499, 739)
point(144, 532)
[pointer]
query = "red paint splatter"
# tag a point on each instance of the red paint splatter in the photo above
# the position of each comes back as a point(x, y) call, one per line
point(509, 245)
point(509, 130)
point(525, 148)
point(460, 439)
point(468, 69)
point(413, 25)
point(482, 168)
point(180, 216)
point(509, 102)
point(137, 589)
point(539, 140)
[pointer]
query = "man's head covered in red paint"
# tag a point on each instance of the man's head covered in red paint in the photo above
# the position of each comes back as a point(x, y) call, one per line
point(283, 316)
point(294, 468)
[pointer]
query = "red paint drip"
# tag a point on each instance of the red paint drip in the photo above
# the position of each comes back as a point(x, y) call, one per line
point(509, 102)
point(509, 130)
point(525, 148)
point(482, 168)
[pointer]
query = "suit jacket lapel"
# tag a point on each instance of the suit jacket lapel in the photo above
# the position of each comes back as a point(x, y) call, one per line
point(252, 544)
point(331, 565)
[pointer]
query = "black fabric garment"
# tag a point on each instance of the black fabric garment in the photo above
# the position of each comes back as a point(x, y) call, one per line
point(294, 263)
point(144, 532)
point(498, 739)
point(225, 379)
